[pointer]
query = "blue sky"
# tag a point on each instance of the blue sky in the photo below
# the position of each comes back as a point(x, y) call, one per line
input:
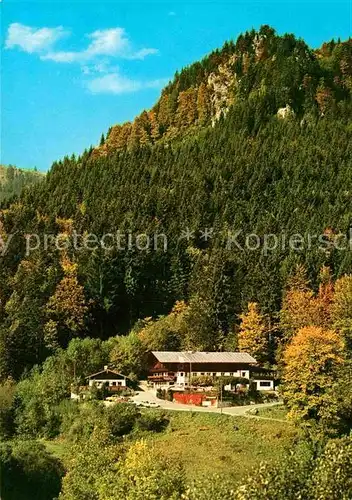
point(71, 69)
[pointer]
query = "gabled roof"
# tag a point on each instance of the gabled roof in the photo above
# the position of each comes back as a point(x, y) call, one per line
point(106, 371)
point(202, 357)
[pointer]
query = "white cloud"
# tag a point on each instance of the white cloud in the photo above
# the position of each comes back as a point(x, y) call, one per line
point(141, 54)
point(32, 40)
point(62, 57)
point(100, 67)
point(110, 42)
point(95, 60)
point(114, 83)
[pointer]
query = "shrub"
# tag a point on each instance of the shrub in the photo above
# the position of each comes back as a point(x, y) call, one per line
point(120, 419)
point(152, 421)
point(29, 471)
point(7, 411)
point(332, 477)
point(79, 426)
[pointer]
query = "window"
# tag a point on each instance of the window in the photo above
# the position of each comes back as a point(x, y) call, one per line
point(222, 374)
point(202, 373)
point(113, 383)
point(119, 383)
point(214, 374)
point(209, 374)
point(265, 383)
point(182, 374)
point(231, 374)
point(244, 374)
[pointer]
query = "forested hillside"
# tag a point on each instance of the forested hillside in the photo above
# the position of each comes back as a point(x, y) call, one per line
point(255, 138)
point(13, 180)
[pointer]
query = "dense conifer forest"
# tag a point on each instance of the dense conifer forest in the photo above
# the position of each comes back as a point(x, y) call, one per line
point(13, 180)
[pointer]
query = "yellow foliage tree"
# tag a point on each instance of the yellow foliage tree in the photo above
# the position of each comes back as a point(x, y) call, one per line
point(253, 334)
point(146, 475)
point(311, 362)
point(302, 308)
point(67, 306)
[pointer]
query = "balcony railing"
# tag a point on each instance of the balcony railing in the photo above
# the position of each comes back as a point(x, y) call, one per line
point(162, 378)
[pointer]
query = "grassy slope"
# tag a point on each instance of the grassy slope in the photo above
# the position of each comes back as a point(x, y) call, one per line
point(276, 412)
point(207, 444)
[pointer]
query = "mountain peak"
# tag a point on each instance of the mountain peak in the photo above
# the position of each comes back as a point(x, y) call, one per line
point(262, 67)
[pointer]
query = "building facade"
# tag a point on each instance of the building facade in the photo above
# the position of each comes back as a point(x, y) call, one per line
point(114, 381)
point(178, 368)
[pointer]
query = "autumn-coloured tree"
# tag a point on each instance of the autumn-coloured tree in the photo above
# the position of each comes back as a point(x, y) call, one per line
point(342, 308)
point(203, 104)
point(154, 126)
point(67, 307)
point(187, 108)
point(297, 311)
point(140, 131)
point(312, 360)
point(324, 97)
point(119, 136)
point(301, 307)
point(164, 112)
point(253, 334)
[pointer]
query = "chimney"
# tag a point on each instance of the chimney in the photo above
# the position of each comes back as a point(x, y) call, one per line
point(106, 368)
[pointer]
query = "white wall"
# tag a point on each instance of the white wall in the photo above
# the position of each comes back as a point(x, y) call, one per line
point(237, 373)
point(181, 378)
point(265, 387)
point(100, 383)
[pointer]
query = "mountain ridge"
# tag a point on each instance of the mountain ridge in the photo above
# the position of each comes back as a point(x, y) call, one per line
point(204, 91)
point(13, 180)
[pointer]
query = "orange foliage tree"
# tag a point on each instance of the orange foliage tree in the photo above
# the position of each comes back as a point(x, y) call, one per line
point(301, 307)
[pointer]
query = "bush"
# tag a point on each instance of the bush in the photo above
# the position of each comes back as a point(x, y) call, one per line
point(37, 398)
point(70, 412)
point(169, 396)
point(332, 477)
point(152, 421)
point(29, 471)
point(111, 472)
point(79, 426)
point(160, 393)
point(121, 419)
point(7, 410)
